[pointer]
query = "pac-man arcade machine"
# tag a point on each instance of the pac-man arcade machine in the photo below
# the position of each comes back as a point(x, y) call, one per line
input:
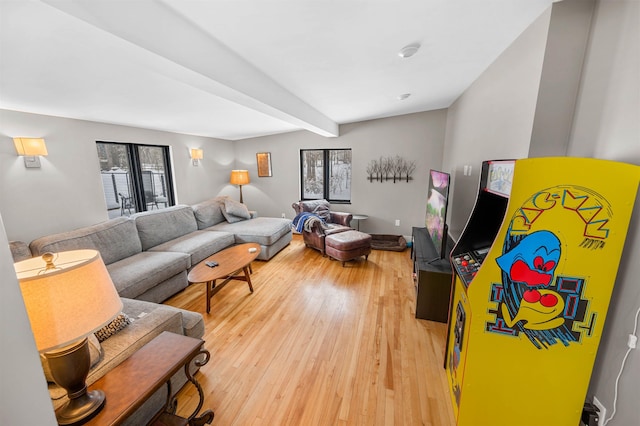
point(534, 272)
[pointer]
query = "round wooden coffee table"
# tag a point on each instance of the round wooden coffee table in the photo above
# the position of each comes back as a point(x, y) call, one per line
point(230, 262)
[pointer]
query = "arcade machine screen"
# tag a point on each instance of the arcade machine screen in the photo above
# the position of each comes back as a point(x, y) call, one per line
point(437, 201)
point(485, 221)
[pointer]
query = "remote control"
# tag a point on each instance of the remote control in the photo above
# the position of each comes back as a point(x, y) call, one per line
point(211, 264)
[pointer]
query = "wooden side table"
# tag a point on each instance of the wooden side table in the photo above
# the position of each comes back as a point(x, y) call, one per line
point(132, 382)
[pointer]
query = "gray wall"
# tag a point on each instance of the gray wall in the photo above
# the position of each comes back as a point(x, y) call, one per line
point(24, 397)
point(563, 60)
point(603, 124)
point(415, 137)
point(607, 125)
point(493, 119)
point(66, 192)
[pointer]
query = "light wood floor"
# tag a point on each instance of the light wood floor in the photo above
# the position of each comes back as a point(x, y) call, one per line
point(320, 344)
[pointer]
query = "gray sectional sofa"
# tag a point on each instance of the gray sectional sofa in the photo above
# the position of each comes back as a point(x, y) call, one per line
point(148, 256)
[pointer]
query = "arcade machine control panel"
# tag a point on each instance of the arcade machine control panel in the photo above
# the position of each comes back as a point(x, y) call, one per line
point(468, 263)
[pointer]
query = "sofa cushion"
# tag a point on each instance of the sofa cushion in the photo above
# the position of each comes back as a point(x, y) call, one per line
point(19, 250)
point(115, 239)
point(138, 273)
point(192, 323)
point(234, 211)
point(159, 226)
point(198, 244)
point(262, 230)
point(209, 212)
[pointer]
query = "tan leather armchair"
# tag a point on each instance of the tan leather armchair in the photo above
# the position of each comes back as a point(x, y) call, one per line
point(334, 222)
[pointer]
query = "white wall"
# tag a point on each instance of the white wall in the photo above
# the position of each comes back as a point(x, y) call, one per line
point(66, 192)
point(415, 137)
point(493, 118)
point(607, 125)
point(24, 397)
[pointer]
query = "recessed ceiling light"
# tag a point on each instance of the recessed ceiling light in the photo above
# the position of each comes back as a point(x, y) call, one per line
point(404, 96)
point(409, 50)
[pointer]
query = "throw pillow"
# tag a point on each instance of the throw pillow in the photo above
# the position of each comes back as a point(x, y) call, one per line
point(209, 212)
point(118, 323)
point(95, 355)
point(234, 211)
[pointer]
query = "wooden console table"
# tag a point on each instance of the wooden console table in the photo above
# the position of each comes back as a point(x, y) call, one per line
point(132, 382)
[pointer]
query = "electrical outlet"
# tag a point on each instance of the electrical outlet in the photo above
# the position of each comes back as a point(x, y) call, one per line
point(283, 216)
point(397, 222)
point(603, 411)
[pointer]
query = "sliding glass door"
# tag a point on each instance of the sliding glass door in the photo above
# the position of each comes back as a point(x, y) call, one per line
point(135, 177)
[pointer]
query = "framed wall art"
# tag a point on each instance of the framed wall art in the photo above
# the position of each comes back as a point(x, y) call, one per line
point(263, 159)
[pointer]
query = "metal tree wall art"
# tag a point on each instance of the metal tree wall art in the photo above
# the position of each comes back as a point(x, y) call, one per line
point(389, 168)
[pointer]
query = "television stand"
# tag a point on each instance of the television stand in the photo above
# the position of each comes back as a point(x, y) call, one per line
point(432, 277)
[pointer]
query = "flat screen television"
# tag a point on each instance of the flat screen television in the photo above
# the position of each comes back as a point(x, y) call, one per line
point(437, 201)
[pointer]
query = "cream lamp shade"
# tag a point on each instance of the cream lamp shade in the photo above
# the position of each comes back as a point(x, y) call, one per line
point(30, 146)
point(239, 177)
point(67, 295)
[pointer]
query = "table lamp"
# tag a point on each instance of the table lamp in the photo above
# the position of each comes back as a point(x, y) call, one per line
point(239, 177)
point(69, 295)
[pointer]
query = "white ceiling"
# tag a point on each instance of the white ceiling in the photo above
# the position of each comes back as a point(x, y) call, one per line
point(245, 68)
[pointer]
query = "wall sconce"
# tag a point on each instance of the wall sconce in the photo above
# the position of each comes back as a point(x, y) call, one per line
point(30, 149)
point(196, 154)
point(239, 177)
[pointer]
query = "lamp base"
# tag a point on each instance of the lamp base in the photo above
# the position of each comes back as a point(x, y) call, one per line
point(69, 368)
point(79, 410)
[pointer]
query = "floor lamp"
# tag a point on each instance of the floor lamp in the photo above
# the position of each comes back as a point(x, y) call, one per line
point(69, 295)
point(239, 177)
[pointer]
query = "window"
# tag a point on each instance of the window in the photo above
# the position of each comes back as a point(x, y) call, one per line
point(135, 177)
point(326, 173)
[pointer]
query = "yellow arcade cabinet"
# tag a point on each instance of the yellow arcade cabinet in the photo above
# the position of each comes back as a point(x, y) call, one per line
point(534, 271)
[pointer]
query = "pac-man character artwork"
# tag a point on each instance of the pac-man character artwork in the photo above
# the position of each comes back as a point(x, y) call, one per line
point(541, 294)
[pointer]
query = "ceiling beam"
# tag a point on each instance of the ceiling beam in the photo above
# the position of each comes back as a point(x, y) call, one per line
point(174, 38)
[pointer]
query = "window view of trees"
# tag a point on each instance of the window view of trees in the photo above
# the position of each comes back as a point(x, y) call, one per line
point(312, 174)
point(134, 177)
point(326, 173)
